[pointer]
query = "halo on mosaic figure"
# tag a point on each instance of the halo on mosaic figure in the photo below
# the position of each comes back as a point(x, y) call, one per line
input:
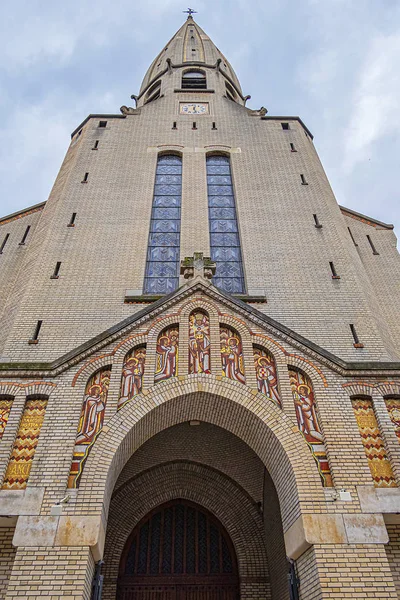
point(132, 375)
point(266, 374)
point(90, 422)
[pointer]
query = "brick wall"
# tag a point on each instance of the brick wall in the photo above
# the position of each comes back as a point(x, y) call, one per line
point(7, 555)
point(393, 554)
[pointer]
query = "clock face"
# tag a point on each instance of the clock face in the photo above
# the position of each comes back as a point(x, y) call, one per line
point(193, 109)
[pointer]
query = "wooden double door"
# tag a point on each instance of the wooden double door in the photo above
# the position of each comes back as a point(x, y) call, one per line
point(178, 552)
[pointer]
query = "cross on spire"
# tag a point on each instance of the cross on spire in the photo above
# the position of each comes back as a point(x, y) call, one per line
point(190, 12)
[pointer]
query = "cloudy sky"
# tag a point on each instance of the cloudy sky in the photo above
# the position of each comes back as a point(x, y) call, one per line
point(335, 63)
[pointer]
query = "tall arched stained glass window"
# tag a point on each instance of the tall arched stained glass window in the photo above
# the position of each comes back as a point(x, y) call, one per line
point(162, 267)
point(224, 233)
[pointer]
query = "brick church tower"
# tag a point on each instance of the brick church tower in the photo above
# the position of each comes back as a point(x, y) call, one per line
point(200, 361)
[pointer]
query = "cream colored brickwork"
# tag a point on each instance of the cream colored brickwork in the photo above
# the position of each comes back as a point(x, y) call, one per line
point(7, 555)
point(247, 462)
point(393, 554)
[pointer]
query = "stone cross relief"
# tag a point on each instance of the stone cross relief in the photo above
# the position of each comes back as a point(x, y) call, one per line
point(197, 266)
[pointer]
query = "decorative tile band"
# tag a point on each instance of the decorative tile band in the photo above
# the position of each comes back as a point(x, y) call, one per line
point(379, 464)
point(21, 459)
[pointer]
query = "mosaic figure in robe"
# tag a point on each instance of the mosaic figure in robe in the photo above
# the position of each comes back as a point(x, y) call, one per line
point(132, 375)
point(267, 379)
point(199, 343)
point(167, 355)
point(93, 410)
point(232, 356)
point(306, 414)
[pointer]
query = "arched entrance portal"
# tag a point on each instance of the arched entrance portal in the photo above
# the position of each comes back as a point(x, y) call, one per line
point(179, 551)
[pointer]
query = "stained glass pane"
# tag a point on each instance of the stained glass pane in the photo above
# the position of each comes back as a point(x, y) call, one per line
point(223, 201)
point(223, 225)
point(170, 159)
point(219, 180)
point(166, 213)
point(158, 225)
point(160, 285)
point(224, 239)
point(217, 160)
point(224, 236)
point(222, 213)
point(163, 254)
point(218, 190)
point(226, 254)
point(169, 169)
point(231, 285)
point(164, 239)
point(173, 179)
point(227, 566)
point(161, 269)
point(167, 201)
point(222, 169)
point(167, 189)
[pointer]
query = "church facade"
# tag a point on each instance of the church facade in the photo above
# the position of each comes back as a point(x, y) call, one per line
point(200, 361)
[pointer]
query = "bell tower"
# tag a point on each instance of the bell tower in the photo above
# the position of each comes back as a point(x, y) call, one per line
point(190, 61)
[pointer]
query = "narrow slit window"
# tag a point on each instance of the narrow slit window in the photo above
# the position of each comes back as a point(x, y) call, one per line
point(352, 237)
point(317, 223)
point(357, 343)
point(334, 272)
point(303, 179)
point(85, 178)
point(96, 145)
point(22, 242)
point(194, 125)
point(56, 271)
point(224, 232)
point(72, 220)
point(163, 252)
point(3, 245)
point(102, 123)
point(292, 148)
point(174, 125)
point(214, 125)
point(371, 243)
point(35, 338)
point(285, 126)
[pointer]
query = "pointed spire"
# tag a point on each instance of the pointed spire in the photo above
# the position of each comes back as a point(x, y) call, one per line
point(190, 45)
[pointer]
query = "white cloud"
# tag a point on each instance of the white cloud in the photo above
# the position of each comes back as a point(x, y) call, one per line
point(375, 112)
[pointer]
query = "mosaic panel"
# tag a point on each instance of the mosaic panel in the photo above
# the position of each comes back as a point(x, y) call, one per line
point(378, 461)
point(164, 236)
point(199, 343)
point(90, 423)
point(267, 378)
point(167, 354)
point(393, 407)
point(132, 375)
point(308, 422)
point(5, 408)
point(232, 355)
point(20, 463)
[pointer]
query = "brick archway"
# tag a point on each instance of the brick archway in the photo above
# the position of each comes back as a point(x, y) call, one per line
point(271, 434)
point(202, 485)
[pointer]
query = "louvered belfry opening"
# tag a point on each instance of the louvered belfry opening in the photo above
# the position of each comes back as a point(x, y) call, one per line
point(178, 552)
